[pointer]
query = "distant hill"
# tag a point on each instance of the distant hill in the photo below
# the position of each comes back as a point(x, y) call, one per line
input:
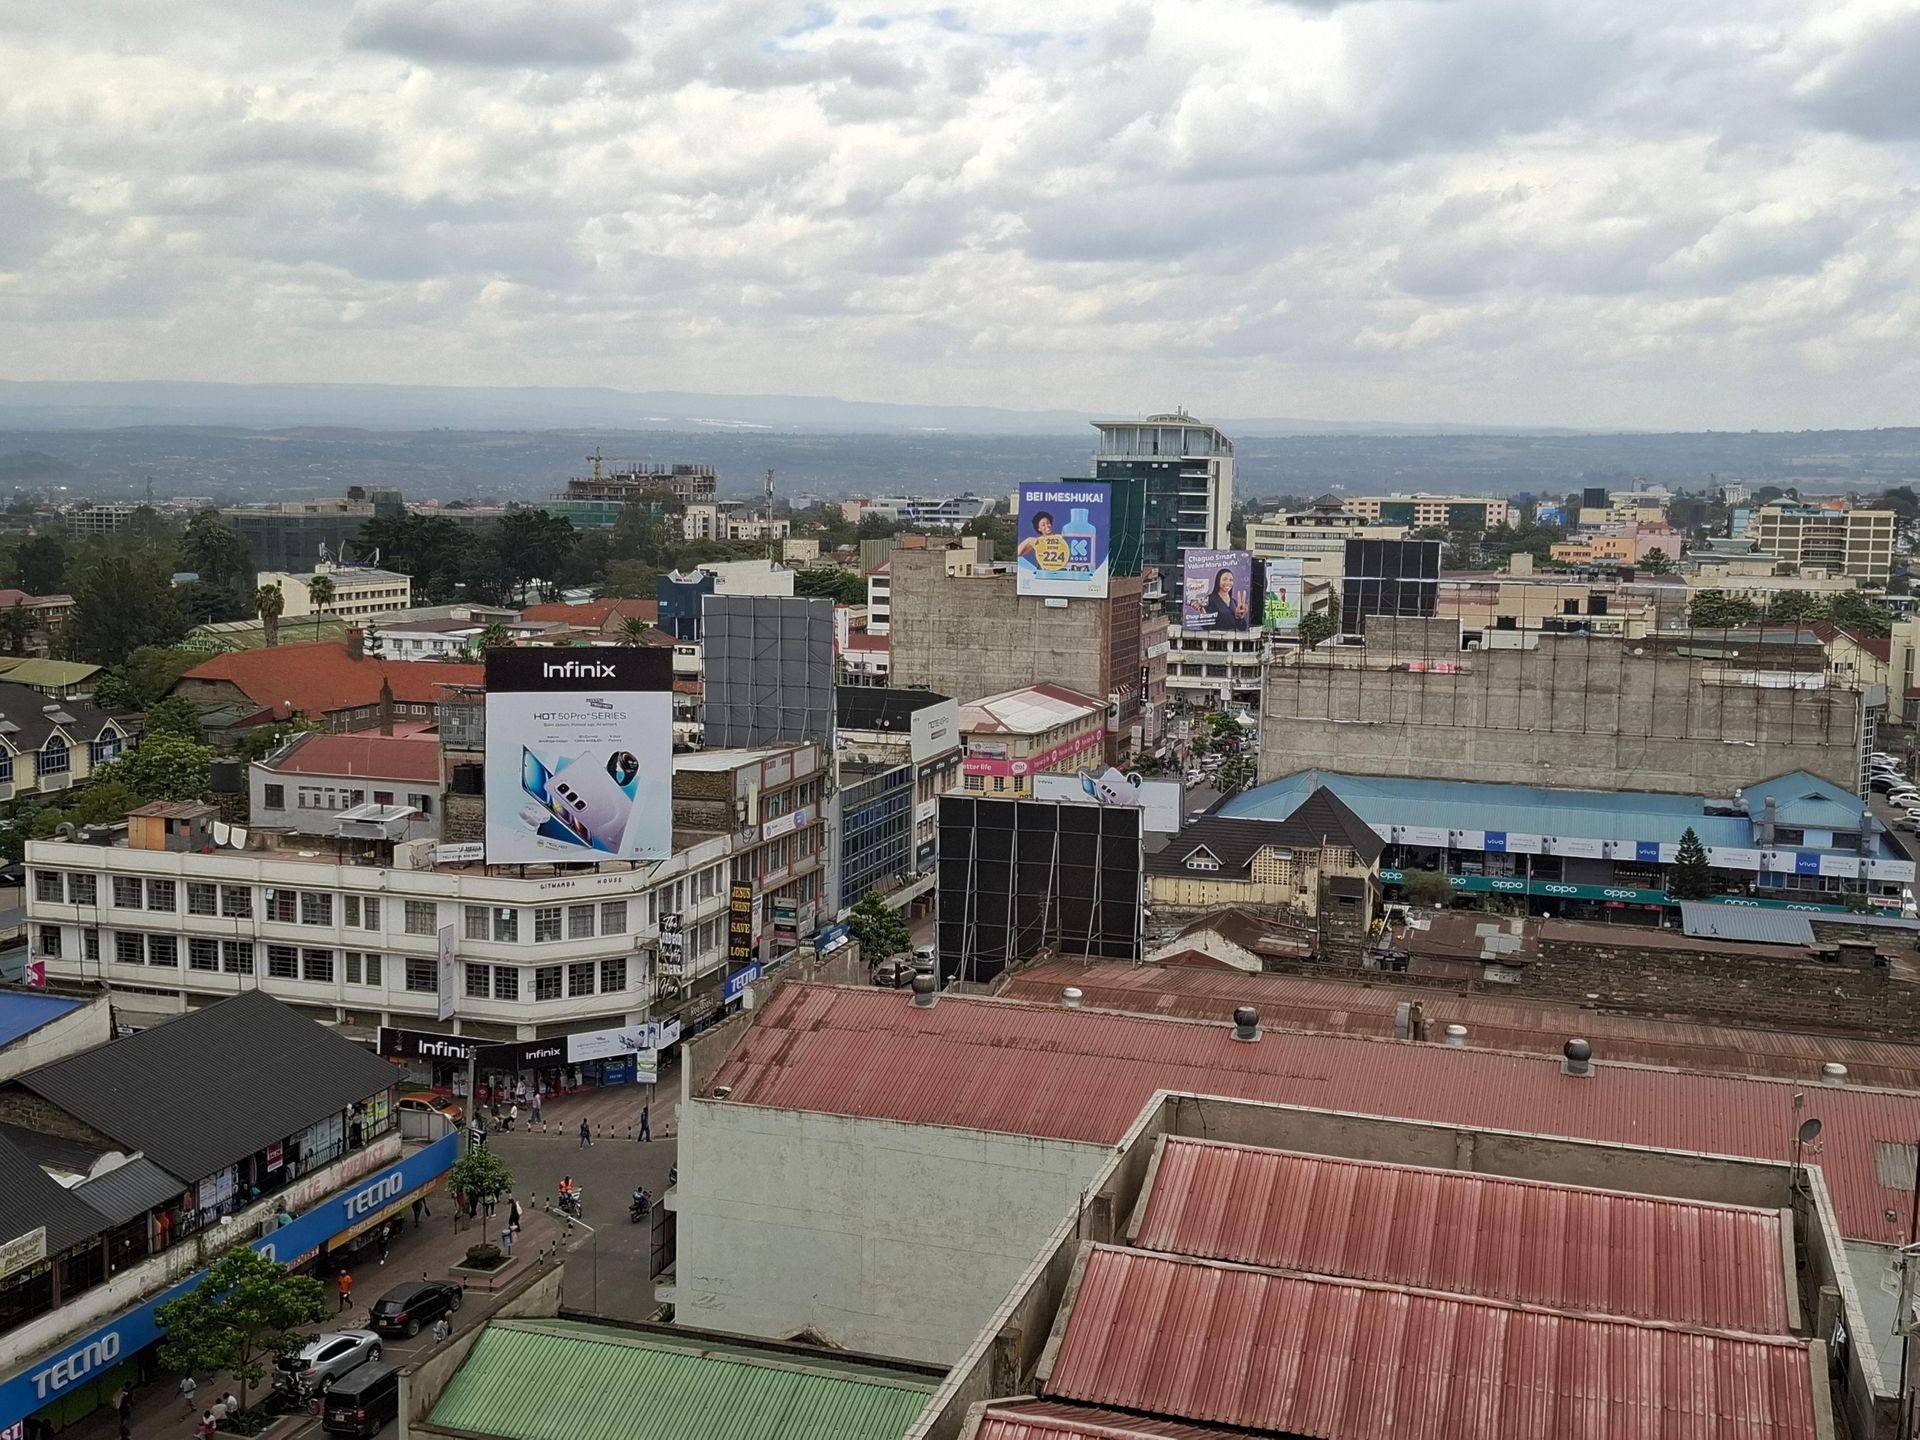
point(22, 467)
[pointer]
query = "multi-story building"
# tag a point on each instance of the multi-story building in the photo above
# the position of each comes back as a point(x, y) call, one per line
point(1172, 477)
point(288, 534)
point(1422, 512)
point(629, 480)
point(316, 781)
point(43, 615)
point(334, 682)
point(48, 745)
point(359, 592)
point(1627, 544)
point(1855, 543)
point(880, 599)
point(1317, 538)
point(937, 512)
point(1040, 730)
point(899, 750)
point(100, 519)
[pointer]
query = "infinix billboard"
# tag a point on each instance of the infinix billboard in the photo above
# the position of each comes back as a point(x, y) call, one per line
point(579, 755)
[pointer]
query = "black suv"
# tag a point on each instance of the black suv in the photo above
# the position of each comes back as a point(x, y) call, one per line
point(405, 1308)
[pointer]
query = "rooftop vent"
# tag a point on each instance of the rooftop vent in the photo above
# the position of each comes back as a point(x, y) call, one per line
point(1579, 1058)
point(722, 1092)
point(1456, 1035)
point(1071, 997)
point(1246, 1023)
point(924, 990)
point(1833, 1073)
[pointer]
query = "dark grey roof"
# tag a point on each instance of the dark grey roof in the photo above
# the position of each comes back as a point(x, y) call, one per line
point(1746, 923)
point(33, 717)
point(1320, 818)
point(876, 707)
point(55, 1152)
point(133, 1189)
point(201, 1092)
point(30, 1197)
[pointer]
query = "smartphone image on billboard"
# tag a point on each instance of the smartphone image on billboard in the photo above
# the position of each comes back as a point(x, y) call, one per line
point(591, 799)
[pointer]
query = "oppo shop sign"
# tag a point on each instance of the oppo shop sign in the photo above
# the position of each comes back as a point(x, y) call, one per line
point(87, 1357)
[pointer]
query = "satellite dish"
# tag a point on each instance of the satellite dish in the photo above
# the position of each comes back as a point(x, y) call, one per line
point(1809, 1130)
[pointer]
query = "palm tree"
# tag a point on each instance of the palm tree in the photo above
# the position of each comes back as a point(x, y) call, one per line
point(320, 591)
point(268, 602)
point(494, 637)
point(634, 628)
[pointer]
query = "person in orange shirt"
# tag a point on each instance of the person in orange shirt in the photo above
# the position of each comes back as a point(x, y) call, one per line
point(346, 1291)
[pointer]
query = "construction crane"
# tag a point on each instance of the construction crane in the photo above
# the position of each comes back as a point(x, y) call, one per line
point(595, 460)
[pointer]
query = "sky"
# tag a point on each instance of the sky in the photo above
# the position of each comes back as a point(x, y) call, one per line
point(1686, 214)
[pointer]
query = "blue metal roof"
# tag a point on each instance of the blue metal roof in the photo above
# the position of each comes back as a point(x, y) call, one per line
point(21, 1014)
point(1544, 810)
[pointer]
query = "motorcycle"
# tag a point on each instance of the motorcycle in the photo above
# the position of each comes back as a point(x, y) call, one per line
point(570, 1203)
point(637, 1210)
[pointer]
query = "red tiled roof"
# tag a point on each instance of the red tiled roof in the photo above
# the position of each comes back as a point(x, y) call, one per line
point(1595, 1251)
point(1043, 1070)
point(1190, 1340)
point(861, 640)
point(1351, 1007)
point(321, 678)
point(1878, 646)
point(1047, 1420)
point(595, 613)
point(374, 757)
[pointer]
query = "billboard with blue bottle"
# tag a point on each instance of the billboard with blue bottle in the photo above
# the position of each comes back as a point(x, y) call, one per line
point(1063, 539)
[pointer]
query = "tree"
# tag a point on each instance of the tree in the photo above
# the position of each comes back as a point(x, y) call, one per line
point(262, 740)
point(1791, 607)
point(247, 1310)
point(268, 603)
point(1316, 627)
point(123, 598)
point(494, 637)
point(214, 550)
point(1851, 610)
point(143, 679)
point(40, 565)
point(320, 592)
point(1235, 773)
point(878, 928)
point(175, 715)
point(535, 545)
point(1656, 562)
point(841, 586)
point(630, 580)
point(634, 628)
point(164, 767)
point(480, 1172)
point(1717, 610)
point(1690, 877)
point(1428, 889)
point(16, 629)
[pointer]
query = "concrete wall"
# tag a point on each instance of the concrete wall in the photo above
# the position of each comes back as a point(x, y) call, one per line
point(83, 1029)
point(892, 1239)
point(1581, 711)
point(536, 1291)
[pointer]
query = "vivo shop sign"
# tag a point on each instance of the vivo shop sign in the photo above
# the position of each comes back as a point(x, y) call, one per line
point(28, 1390)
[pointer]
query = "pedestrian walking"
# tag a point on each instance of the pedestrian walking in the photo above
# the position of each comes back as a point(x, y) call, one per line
point(442, 1328)
point(204, 1430)
point(513, 1214)
point(520, 1093)
point(513, 1115)
point(420, 1208)
point(123, 1403)
point(492, 1200)
point(537, 1117)
point(385, 1240)
point(646, 1129)
point(187, 1387)
point(586, 1135)
point(346, 1291)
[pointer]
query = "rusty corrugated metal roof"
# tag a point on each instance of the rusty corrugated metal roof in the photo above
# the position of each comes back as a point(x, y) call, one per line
point(1022, 1069)
point(1351, 1007)
point(1595, 1251)
point(1341, 1360)
point(1049, 1420)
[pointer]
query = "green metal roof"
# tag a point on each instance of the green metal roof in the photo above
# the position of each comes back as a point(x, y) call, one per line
point(564, 1380)
point(36, 672)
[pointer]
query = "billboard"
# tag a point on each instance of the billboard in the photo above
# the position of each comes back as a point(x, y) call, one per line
point(1284, 596)
point(933, 730)
point(579, 755)
point(1162, 802)
point(444, 974)
point(1064, 532)
point(768, 670)
point(1216, 591)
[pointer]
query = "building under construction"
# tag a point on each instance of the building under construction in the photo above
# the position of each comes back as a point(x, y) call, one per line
point(1682, 711)
point(624, 480)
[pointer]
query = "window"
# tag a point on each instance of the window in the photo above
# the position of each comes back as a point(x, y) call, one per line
point(283, 962)
point(55, 758)
point(580, 979)
point(202, 899)
point(281, 906)
point(423, 917)
point(202, 954)
point(129, 948)
point(317, 965)
point(316, 907)
point(546, 924)
point(476, 918)
point(236, 902)
point(613, 974)
point(274, 797)
point(163, 950)
point(613, 917)
point(422, 803)
point(506, 925)
point(373, 969)
point(580, 922)
point(47, 886)
point(420, 977)
point(161, 897)
point(506, 982)
point(546, 982)
point(83, 889)
point(126, 892)
point(479, 981)
point(350, 966)
point(383, 797)
point(360, 912)
point(50, 941)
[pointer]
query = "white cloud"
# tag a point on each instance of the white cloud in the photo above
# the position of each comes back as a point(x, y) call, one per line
point(1647, 212)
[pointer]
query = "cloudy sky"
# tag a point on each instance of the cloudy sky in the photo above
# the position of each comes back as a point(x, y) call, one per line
point(1684, 213)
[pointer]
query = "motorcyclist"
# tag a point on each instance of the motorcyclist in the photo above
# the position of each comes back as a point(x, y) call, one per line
point(640, 1198)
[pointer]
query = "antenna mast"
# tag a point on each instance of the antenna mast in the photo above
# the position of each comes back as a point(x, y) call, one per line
point(595, 459)
point(767, 512)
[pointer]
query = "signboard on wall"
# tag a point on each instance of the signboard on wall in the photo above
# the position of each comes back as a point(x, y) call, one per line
point(1064, 533)
point(1216, 591)
point(1285, 588)
point(444, 975)
point(672, 948)
point(740, 924)
point(935, 730)
point(579, 755)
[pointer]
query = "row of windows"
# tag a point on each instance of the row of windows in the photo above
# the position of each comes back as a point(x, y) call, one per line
point(335, 797)
point(237, 957)
point(503, 982)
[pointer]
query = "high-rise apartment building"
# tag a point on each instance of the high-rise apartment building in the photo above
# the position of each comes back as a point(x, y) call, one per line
point(1316, 537)
point(1420, 512)
point(1172, 479)
point(1855, 543)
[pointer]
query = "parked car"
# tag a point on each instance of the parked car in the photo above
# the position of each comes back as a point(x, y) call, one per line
point(433, 1105)
point(324, 1359)
point(404, 1309)
point(895, 973)
point(363, 1400)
